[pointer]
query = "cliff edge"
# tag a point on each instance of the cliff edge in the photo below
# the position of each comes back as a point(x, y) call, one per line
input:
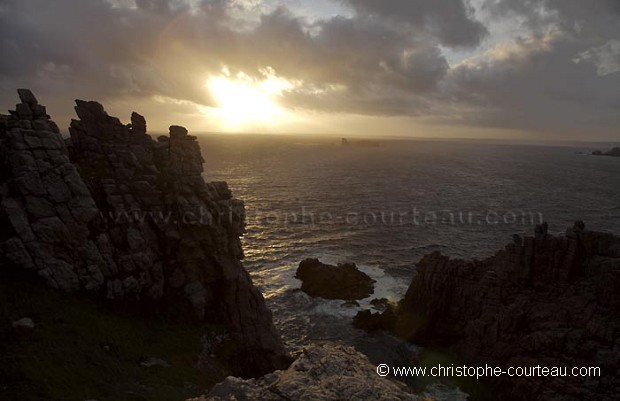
point(113, 213)
point(543, 300)
point(322, 373)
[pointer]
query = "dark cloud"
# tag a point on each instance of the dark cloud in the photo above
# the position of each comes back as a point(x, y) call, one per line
point(385, 58)
point(451, 21)
point(559, 77)
point(582, 18)
point(167, 48)
point(538, 87)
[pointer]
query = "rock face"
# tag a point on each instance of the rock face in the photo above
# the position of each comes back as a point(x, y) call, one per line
point(543, 300)
point(369, 321)
point(344, 281)
point(328, 372)
point(613, 152)
point(117, 214)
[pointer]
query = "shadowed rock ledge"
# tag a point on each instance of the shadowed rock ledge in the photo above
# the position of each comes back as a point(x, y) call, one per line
point(321, 373)
point(543, 300)
point(113, 213)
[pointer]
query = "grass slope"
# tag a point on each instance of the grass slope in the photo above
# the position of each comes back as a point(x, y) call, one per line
point(82, 350)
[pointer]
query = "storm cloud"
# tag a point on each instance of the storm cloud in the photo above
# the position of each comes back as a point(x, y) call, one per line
point(444, 61)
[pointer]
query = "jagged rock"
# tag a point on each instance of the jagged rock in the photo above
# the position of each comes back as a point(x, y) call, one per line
point(321, 373)
point(138, 123)
point(89, 215)
point(550, 301)
point(177, 131)
point(369, 321)
point(27, 97)
point(385, 319)
point(344, 281)
point(516, 238)
point(381, 303)
point(541, 229)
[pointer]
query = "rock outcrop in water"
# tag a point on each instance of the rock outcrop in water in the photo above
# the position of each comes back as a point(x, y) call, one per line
point(114, 213)
point(321, 373)
point(543, 300)
point(360, 143)
point(613, 152)
point(344, 281)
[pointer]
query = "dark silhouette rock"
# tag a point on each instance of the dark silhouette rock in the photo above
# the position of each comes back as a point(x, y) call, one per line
point(27, 97)
point(344, 281)
point(381, 303)
point(114, 213)
point(363, 143)
point(579, 225)
point(177, 131)
point(138, 123)
point(372, 321)
point(550, 301)
point(615, 152)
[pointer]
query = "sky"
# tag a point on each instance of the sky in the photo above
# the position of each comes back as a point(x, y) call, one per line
point(524, 69)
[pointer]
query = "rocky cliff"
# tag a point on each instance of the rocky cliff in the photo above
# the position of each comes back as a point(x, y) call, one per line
point(113, 213)
point(544, 300)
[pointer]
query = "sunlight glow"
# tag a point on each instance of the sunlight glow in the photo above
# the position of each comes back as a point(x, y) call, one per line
point(244, 101)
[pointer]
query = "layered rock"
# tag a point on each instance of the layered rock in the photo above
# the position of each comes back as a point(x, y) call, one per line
point(115, 213)
point(344, 281)
point(328, 372)
point(543, 300)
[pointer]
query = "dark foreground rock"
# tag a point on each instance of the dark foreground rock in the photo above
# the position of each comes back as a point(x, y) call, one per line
point(543, 300)
point(613, 152)
point(344, 281)
point(371, 321)
point(321, 373)
point(113, 213)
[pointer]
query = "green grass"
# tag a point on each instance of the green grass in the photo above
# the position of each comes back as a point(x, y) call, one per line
point(477, 390)
point(83, 350)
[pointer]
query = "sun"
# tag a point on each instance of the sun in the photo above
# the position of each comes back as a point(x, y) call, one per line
point(243, 101)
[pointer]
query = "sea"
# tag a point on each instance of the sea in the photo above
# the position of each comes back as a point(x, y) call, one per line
point(385, 207)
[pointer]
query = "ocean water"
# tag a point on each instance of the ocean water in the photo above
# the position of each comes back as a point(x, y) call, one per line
point(383, 208)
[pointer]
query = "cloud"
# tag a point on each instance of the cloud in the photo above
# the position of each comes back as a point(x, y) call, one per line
point(558, 76)
point(451, 21)
point(555, 73)
point(606, 57)
point(168, 48)
point(536, 86)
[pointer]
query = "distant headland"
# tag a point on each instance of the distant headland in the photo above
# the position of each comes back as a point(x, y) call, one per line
point(613, 152)
point(365, 143)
